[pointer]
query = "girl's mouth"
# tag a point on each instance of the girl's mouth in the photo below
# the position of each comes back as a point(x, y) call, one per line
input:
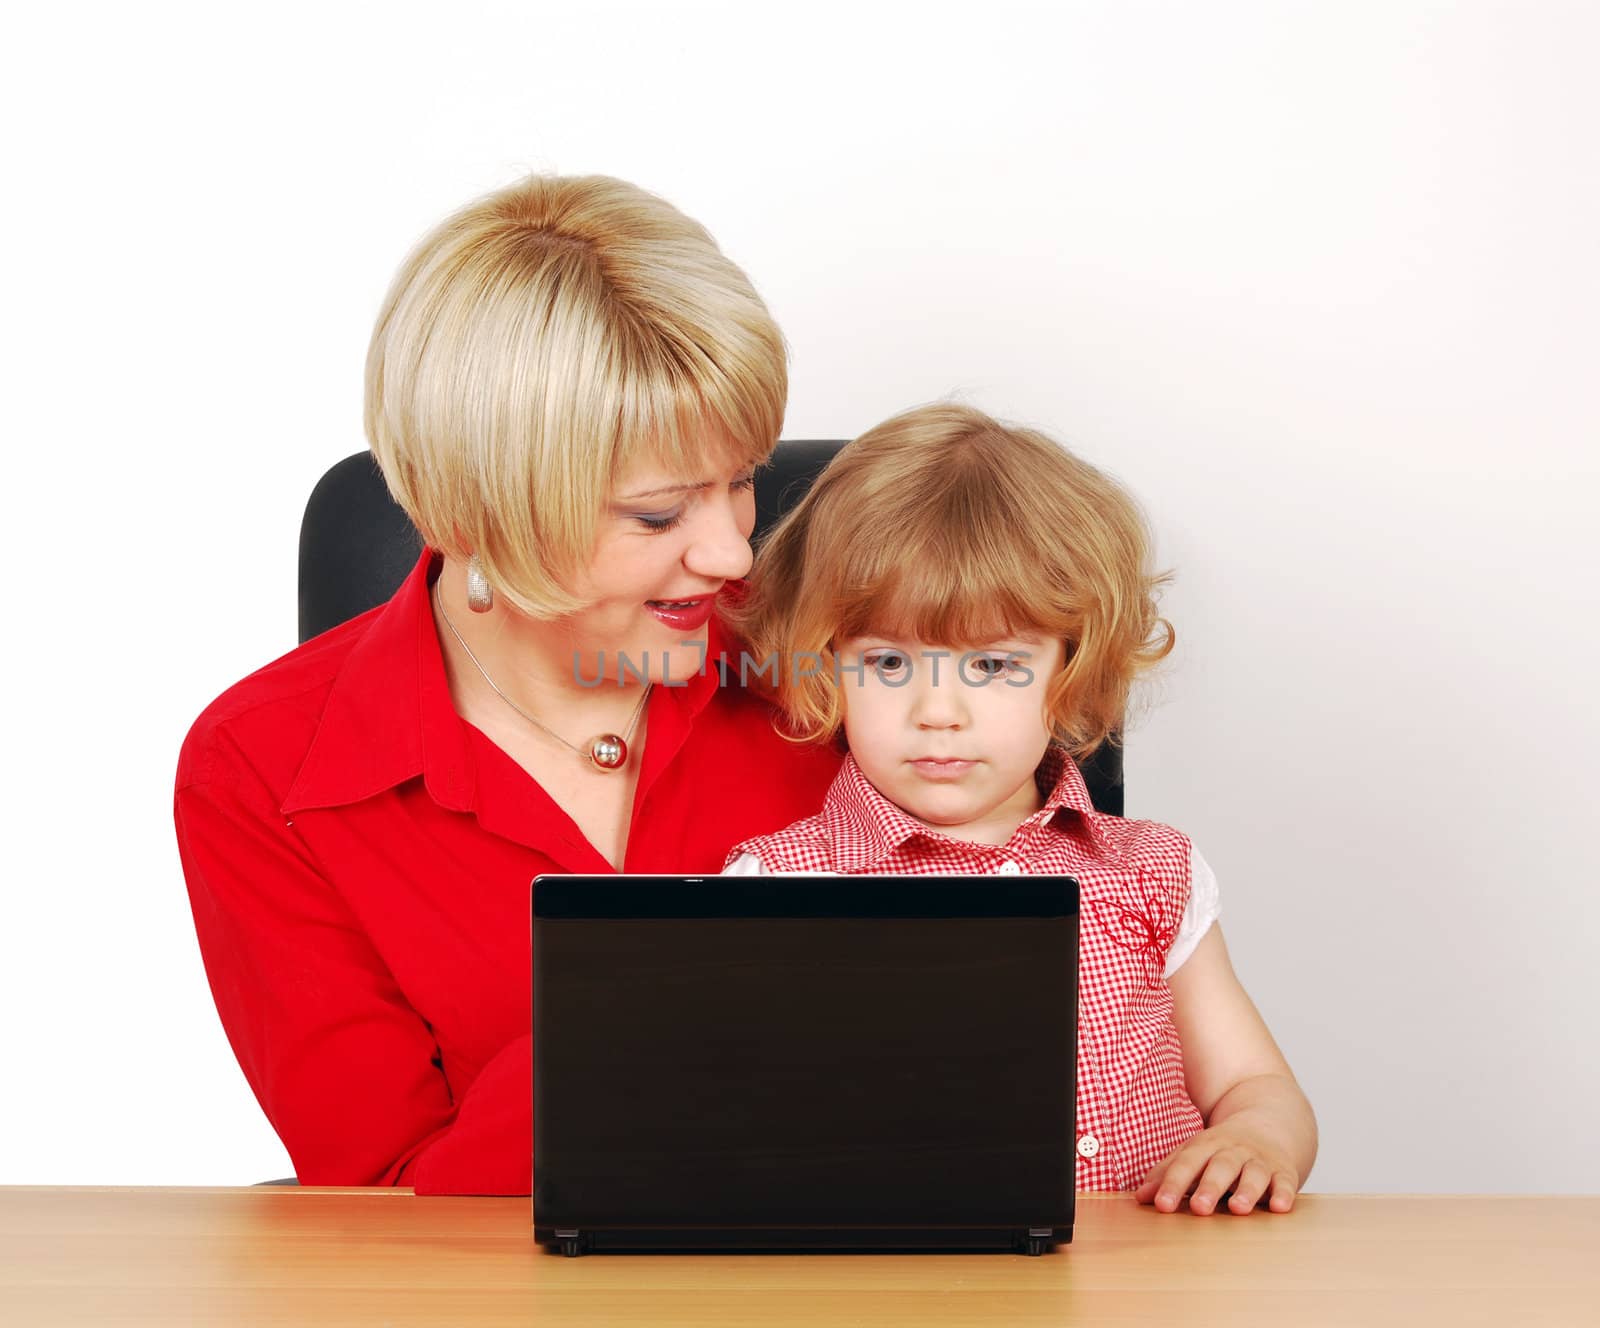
point(950, 769)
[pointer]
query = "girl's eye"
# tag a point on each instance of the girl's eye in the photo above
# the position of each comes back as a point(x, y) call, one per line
point(985, 667)
point(884, 662)
point(744, 482)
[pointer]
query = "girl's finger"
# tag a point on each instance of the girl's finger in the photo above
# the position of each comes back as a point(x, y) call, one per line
point(1253, 1181)
point(1152, 1179)
point(1185, 1166)
point(1219, 1175)
point(1284, 1187)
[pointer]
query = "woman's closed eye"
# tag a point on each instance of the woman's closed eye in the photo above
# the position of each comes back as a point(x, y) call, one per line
point(659, 520)
point(656, 522)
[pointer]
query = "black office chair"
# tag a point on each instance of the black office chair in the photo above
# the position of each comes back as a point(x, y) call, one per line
point(356, 547)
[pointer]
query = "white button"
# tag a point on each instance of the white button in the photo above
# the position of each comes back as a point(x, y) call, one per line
point(1088, 1145)
point(1009, 868)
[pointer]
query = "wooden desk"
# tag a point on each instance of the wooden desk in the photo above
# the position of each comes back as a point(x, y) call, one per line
point(325, 1256)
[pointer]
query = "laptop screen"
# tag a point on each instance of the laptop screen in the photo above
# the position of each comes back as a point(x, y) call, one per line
point(786, 1051)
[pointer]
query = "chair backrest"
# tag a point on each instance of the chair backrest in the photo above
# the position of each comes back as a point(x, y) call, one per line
point(356, 546)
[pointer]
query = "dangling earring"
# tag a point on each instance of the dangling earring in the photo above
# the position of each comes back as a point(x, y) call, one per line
point(480, 594)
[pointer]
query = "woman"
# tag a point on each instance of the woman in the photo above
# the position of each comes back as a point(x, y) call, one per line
point(567, 391)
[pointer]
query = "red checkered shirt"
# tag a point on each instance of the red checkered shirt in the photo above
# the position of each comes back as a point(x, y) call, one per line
point(1133, 879)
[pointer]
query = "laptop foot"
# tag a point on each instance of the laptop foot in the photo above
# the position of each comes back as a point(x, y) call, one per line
point(1039, 1241)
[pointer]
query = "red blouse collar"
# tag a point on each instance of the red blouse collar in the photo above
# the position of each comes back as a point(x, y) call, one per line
point(388, 715)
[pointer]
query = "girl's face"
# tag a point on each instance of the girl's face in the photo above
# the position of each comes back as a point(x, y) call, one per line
point(951, 737)
point(663, 541)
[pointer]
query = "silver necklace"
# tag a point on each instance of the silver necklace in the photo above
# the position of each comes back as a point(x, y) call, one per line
point(609, 751)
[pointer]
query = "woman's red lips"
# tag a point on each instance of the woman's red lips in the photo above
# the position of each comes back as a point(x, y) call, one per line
point(683, 615)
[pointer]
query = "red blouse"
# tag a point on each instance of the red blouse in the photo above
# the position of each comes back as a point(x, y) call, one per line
point(359, 859)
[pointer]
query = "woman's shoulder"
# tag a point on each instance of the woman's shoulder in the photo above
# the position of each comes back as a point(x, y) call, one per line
point(268, 718)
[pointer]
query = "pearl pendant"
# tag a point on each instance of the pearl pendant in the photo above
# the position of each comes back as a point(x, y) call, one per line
point(608, 751)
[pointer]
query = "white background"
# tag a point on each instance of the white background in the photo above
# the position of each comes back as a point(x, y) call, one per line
point(1318, 282)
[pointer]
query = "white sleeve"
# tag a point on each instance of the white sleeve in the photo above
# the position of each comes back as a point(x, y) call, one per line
point(748, 864)
point(1204, 909)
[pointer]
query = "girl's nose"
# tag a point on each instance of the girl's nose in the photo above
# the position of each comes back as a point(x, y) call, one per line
point(936, 701)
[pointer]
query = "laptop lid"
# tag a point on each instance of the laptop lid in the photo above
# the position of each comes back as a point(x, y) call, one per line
point(804, 1060)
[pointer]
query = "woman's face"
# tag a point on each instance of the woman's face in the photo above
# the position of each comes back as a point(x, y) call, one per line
point(666, 545)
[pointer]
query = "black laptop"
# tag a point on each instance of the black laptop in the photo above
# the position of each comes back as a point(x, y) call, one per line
point(804, 1063)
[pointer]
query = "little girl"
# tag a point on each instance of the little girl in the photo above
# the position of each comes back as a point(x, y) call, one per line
point(967, 604)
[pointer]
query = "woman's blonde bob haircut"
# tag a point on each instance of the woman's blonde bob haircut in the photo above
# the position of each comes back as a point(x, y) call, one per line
point(945, 527)
point(535, 344)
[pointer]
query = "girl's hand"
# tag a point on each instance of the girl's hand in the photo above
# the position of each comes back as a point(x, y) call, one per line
point(1227, 1156)
point(1261, 1140)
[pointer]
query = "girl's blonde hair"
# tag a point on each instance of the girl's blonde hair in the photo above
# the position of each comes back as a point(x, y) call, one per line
point(944, 526)
point(536, 343)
